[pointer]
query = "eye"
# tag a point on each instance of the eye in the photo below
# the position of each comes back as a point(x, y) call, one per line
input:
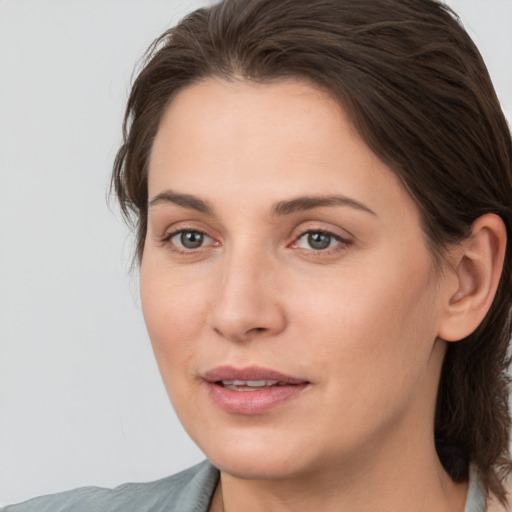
point(188, 239)
point(319, 240)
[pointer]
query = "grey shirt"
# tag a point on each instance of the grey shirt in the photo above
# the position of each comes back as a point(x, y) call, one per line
point(188, 491)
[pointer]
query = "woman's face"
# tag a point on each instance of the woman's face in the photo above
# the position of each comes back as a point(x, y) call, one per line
point(289, 295)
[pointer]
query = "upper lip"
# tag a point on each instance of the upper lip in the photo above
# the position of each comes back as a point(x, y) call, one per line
point(249, 373)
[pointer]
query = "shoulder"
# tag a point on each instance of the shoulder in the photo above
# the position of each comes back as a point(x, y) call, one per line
point(188, 491)
point(494, 505)
point(479, 500)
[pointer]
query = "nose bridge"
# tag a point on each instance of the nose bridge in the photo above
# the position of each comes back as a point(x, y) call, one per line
point(246, 301)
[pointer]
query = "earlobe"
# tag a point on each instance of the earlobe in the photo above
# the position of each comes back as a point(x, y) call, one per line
point(478, 268)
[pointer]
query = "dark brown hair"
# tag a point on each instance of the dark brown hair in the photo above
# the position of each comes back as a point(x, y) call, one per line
point(419, 94)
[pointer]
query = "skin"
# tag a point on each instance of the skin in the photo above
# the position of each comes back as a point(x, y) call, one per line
point(360, 320)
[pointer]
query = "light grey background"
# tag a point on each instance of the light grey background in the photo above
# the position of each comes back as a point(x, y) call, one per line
point(81, 401)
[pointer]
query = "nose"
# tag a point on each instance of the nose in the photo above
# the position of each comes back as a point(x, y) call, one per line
point(247, 301)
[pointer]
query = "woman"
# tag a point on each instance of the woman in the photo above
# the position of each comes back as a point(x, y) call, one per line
point(321, 192)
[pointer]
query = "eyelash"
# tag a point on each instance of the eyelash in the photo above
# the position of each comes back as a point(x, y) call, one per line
point(167, 240)
point(341, 244)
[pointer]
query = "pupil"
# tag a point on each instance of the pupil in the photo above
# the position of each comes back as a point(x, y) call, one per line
point(319, 240)
point(191, 239)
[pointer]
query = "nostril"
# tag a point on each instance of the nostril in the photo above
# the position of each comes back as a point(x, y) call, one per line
point(256, 330)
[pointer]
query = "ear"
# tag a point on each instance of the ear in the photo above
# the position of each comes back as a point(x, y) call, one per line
point(477, 266)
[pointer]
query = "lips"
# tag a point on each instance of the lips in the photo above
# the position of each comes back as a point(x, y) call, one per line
point(251, 390)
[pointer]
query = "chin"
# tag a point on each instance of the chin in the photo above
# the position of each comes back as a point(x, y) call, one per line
point(250, 454)
point(263, 466)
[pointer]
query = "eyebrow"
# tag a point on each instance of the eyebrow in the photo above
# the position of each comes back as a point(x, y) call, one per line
point(184, 200)
point(299, 204)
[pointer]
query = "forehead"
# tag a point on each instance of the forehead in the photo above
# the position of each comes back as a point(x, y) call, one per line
point(217, 113)
point(265, 141)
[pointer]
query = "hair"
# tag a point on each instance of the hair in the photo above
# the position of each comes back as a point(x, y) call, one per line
point(417, 91)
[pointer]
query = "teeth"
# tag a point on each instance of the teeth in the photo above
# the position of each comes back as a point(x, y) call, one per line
point(256, 384)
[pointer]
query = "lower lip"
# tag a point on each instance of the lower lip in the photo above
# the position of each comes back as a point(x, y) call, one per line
point(252, 402)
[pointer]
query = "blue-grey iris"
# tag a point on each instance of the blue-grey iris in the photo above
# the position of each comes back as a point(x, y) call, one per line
point(191, 239)
point(319, 241)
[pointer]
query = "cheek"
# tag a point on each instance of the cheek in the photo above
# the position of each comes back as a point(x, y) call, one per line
point(373, 325)
point(175, 307)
